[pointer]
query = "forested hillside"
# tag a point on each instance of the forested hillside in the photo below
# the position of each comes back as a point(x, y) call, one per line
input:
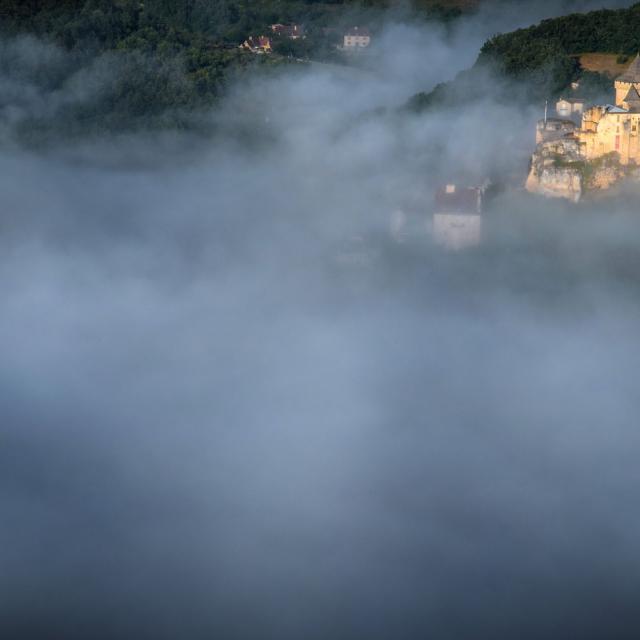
point(223, 20)
point(561, 39)
point(157, 62)
point(544, 58)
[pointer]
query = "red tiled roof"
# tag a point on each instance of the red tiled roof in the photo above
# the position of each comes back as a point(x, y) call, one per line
point(258, 42)
point(288, 30)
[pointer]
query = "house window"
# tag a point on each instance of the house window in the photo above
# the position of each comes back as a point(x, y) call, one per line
point(617, 143)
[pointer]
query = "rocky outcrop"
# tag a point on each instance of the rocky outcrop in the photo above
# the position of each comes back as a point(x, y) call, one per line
point(555, 170)
point(604, 173)
point(554, 129)
point(558, 170)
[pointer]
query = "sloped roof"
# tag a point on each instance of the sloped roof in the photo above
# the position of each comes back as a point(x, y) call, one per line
point(359, 31)
point(465, 201)
point(288, 30)
point(632, 96)
point(632, 74)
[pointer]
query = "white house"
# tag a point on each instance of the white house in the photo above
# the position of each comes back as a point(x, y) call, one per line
point(357, 38)
point(569, 107)
point(457, 220)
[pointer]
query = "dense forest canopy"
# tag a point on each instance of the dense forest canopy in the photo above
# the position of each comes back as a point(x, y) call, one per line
point(545, 58)
point(228, 20)
point(525, 50)
point(168, 58)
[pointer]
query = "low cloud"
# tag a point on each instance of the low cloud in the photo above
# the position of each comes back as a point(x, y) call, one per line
point(234, 406)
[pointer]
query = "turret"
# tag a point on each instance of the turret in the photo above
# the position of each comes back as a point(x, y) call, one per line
point(628, 80)
point(632, 100)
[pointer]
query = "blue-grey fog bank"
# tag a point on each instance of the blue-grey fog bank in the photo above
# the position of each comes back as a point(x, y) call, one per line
point(233, 406)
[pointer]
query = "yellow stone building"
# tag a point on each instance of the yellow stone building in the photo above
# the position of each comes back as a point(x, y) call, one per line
point(615, 128)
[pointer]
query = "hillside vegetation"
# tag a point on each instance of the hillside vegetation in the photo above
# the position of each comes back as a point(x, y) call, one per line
point(556, 40)
point(160, 61)
point(544, 59)
point(223, 20)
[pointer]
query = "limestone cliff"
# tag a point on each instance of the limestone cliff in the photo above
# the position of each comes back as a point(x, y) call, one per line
point(554, 172)
point(559, 170)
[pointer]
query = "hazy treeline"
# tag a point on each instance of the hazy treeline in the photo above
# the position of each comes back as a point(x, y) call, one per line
point(226, 19)
point(234, 407)
point(158, 70)
point(605, 31)
point(165, 59)
point(544, 58)
point(109, 23)
point(158, 64)
point(552, 46)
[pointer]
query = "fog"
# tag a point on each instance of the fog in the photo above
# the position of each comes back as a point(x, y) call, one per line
point(234, 406)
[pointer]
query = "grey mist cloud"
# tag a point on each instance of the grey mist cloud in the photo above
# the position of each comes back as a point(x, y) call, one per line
point(232, 406)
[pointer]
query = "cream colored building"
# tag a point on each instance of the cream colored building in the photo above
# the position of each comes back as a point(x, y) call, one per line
point(357, 38)
point(615, 128)
point(260, 44)
point(457, 220)
point(569, 107)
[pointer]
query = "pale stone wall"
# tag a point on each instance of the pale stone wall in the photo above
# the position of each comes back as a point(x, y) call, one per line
point(553, 170)
point(353, 42)
point(569, 108)
point(559, 170)
point(457, 231)
point(556, 183)
point(607, 130)
point(549, 178)
point(606, 133)
point(597, 155)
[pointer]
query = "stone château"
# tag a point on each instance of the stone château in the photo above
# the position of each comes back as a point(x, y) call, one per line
point(614, 128)
point(606, 141)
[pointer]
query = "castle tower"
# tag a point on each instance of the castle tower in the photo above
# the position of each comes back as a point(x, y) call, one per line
point(628, 80)
point(632, 101)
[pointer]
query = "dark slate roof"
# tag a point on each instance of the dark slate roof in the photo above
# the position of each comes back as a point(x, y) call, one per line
point(632, 74)
point(461, 201)
point(633, 96)
point(573, 100)
point(288, 30)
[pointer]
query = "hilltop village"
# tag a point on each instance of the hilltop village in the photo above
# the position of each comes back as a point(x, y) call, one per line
point(589, 150)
